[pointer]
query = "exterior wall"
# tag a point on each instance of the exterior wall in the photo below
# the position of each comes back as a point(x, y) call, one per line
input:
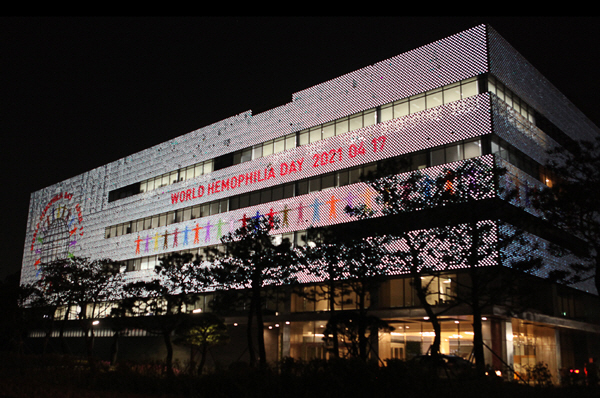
point(78, 208)
point(521, 77)
point(82, 200)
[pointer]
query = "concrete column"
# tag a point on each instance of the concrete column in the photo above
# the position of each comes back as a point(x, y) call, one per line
point(285, 340)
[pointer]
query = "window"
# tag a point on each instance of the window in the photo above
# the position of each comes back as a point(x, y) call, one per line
point(198, 169)
point(257, 151)
point(315, 134)
point(303, 138)
point(223, 161)
point(341, 126)
point(224, 205)
point(440, 289)
point(175, 177)
point(342, 178)
point(279, 145)
point(472, 148)
point(387, 112)
point(267, 149)
point(328, 181)
point(277, 193)
point(356, 122)
point(150, 185)
point(244, 201)
point(419, 161)
point(246, 155)
point(265, 196)
point(417, 103)
point(400, 108)
point(452, 93)
point(437, 157)
point(288, 190)
point(328, 130)
point(208, 167)
point(469, 88)
point(254, 198)
point(302, 187)
point(194, 212)
point(314, 184)
point(434, 98)
point(234, 203)
point(453, 153)
point(370, 118)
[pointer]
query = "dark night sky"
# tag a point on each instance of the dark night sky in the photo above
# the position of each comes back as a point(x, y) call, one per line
point(79, 92)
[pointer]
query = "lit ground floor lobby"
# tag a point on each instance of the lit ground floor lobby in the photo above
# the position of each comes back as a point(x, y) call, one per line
point(512, 345)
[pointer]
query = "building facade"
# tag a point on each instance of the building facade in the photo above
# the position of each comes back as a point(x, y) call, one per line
point(468, 96)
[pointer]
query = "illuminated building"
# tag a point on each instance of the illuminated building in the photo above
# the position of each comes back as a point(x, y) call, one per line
point(464, 97)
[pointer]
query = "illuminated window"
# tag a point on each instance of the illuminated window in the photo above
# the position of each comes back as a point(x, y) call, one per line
point(267, 149)
point(341, 126)
point(356, 122)
point(370, 118)
point(279, 145)
point(452, 93)
point(315, 134)
point(469, 88)
point(328, 130)
point(401, 108)
point(434, 98)
point(417, 103)
point(290, 141)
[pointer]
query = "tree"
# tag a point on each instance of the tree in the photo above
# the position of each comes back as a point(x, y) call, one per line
point(351, 327)
point(570, 203)
point(364, 262)
point(165, 302)
point(82, 289)
point(320, 259)
point(12, 300)
point(346, 267)
point(206, 331)
point(443, 218)
point(252, 262)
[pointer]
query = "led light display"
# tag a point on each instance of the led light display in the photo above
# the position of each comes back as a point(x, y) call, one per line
point(428, 125)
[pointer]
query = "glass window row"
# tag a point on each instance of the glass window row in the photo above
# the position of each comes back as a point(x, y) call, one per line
point(440, 155)
point(511, 99)
point(430, 99)
point(183, 174)
point(403, 107)
point(168, 218)
point(419, 160)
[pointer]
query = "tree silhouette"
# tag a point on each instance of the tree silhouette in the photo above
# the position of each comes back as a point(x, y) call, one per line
point(320, 260)
point(81, 288)
point(13, 298)
point(345, 267)
point(570, 203)
point(206, 331)
point(163, 304)
point(444, 218)
point(252, 262)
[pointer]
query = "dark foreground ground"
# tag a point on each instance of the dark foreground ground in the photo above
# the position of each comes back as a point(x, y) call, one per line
point(63, 377)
